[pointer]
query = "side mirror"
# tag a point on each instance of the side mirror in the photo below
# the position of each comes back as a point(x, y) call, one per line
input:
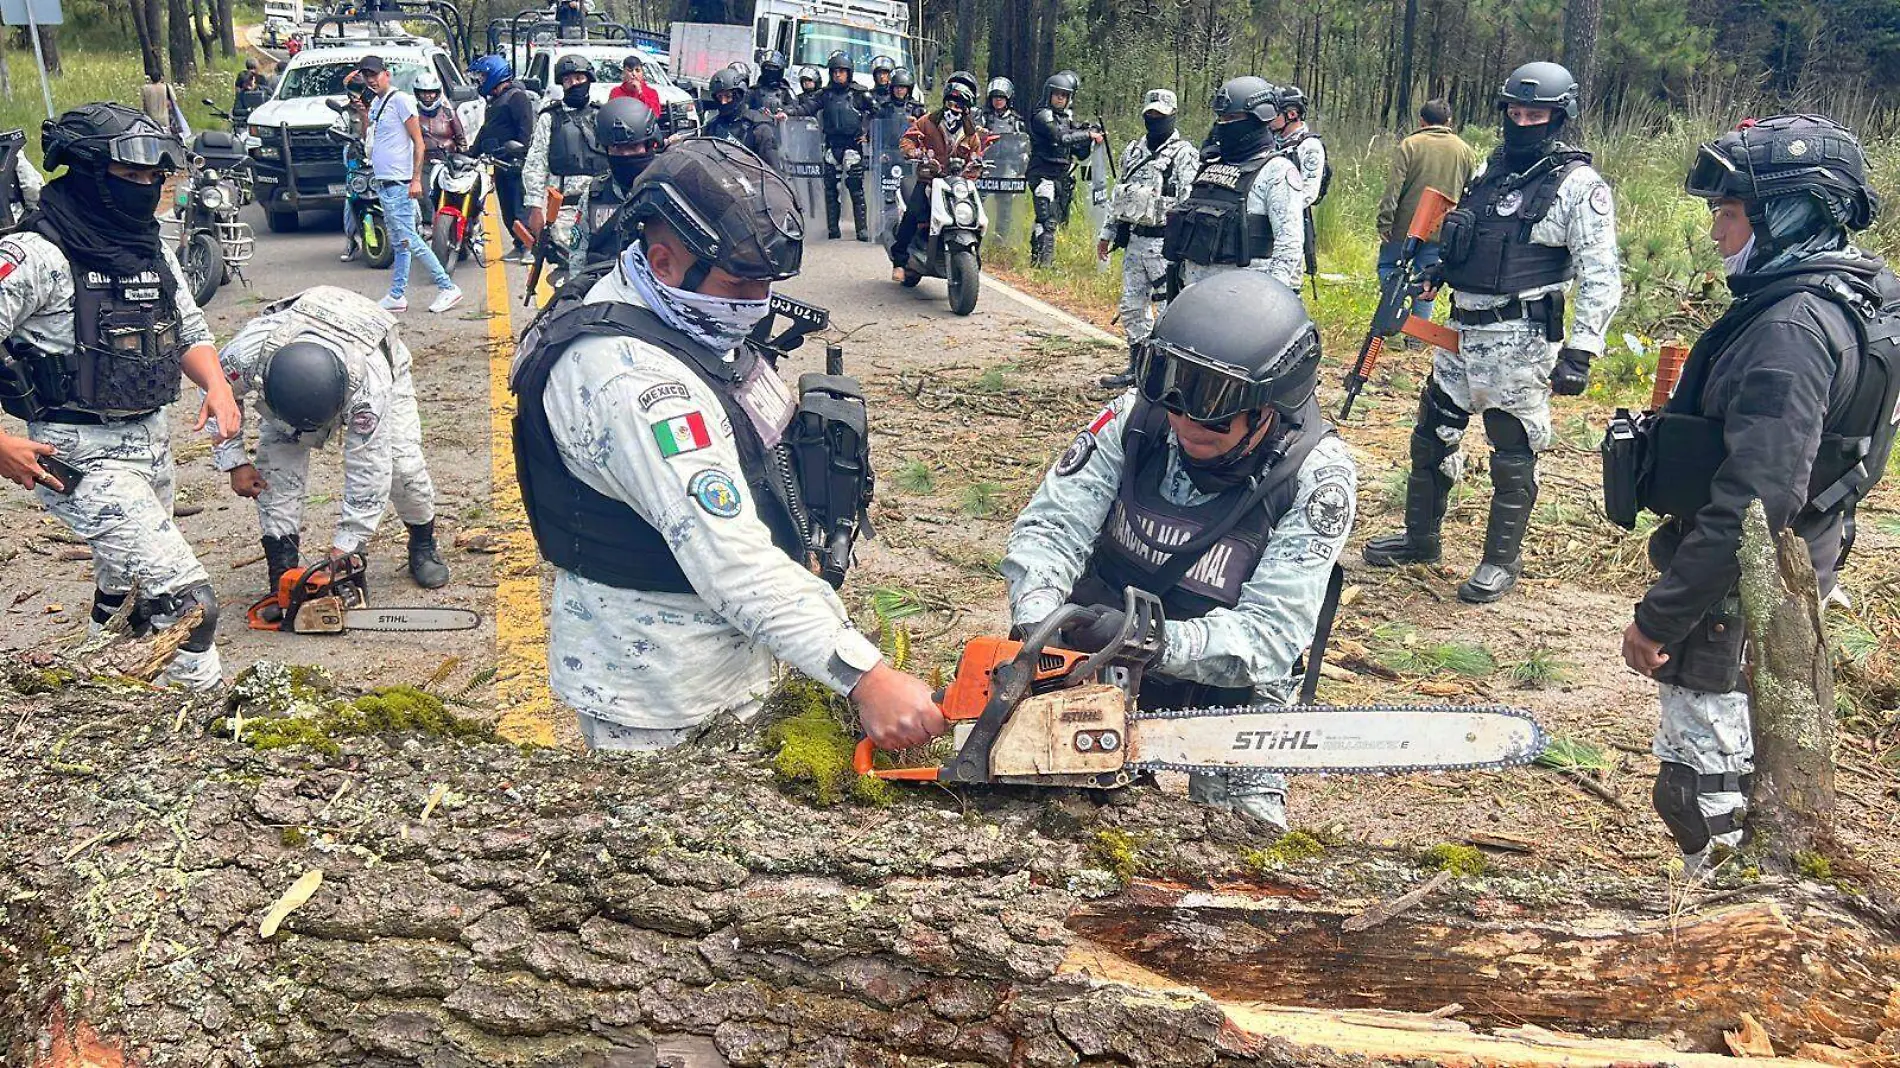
point(335, 105)
point(462, 94)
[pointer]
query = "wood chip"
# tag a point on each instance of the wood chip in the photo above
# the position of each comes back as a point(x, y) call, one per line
point(184, 511)
point(1443, 1011)
point(294, 898)
point(71, 556)
point(436, 794)
point(1499, 840)
point(247, 561)
point(26, 595)
point(1440, 688)
point(1749, 1040)
point(1809, 1051)
point(1385, 910)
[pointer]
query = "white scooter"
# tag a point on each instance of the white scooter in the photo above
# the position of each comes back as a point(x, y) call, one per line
point(951, 247)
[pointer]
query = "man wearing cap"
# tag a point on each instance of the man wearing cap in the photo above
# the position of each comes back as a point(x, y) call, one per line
point(633, 83)
point(644, 440)
point(395, 156)
point(1157, 170)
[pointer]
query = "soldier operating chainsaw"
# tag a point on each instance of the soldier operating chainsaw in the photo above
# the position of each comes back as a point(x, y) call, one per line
point(328, 362)
point(1215, 485)
point(99, 323)
point(680, 488)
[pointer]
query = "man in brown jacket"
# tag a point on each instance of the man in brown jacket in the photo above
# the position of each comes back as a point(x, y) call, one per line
point(1433, 157)
point(934, 140)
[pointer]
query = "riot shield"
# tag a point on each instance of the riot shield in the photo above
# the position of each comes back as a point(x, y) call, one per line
point(1005, 189)
point(1094, 191)
point(887, 175)
point(801, 148)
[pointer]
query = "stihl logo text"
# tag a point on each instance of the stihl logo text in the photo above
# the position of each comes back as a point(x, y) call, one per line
point(1262, 741)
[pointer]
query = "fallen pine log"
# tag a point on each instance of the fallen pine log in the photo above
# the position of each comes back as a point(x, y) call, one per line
point(481, 904)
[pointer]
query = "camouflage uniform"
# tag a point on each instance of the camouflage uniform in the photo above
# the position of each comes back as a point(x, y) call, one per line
point(381, 428)
point(123, 507)
point(1712, 733)
point(536, 178)
point(1278, 193)
point(1255, 643)
point(1151, 183)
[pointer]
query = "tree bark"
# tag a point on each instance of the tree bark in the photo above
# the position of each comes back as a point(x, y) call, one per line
point(1791, 686)
point(49, 47)
point(202, 28)
point(149, 28)
point(226, 27)
point(1583, 21)
point(178, 41)
point(484, 905)
point(1407, 38)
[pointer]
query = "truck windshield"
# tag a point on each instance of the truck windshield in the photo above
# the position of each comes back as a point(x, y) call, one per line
point(817, 40)
point(326, 79)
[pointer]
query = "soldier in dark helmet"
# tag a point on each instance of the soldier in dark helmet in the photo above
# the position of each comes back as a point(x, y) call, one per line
point(630, 134)
point(644, 443)
point(735, 120)
point(842, 111)
point(810, 81)
point(1534, 217)
point(882, 70)
point(1218, 486)
point(902, 98)
point(563, 154)
point(329, 364)
point(999, 108)
point(99, 325)
point(1244, 210)
point(1056, 142)
point(1790, 398)
point(773, 94)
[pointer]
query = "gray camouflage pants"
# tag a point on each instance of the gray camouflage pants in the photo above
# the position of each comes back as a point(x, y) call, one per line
point(1143, 299)
point(123, 508)
point(284, 461)
point(1504, 366)
point(1711, 733)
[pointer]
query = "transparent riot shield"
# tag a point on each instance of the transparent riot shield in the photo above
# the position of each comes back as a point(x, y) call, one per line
point(1005, 189)
point(801, 148)
point(887, 175)
point(1094, 190)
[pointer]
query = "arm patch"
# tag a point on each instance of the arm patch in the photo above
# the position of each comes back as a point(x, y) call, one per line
point(1764, 392)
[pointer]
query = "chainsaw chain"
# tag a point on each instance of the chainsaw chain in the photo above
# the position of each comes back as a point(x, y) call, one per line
point(1335, 769)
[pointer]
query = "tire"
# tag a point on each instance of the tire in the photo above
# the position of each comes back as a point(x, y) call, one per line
point(204, 266)
point(965, 277)
point(282, 222)
point(378, 253)
point(443, 242)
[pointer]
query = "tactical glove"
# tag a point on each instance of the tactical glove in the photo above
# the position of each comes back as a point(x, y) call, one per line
point(1572, 372)
point(1093, 630)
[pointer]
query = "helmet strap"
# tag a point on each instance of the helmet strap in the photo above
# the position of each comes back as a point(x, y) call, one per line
point(696, 275)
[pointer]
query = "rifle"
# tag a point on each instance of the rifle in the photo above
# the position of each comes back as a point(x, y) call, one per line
point(1395, 293)
point(543, 245)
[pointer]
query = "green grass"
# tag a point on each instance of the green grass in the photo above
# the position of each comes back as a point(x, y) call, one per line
point(916, 477)
point(1854, 641)
point(1399, 648)
point(95, 73)
point(1573, 754)
point(1540, 670)
point(981, 499)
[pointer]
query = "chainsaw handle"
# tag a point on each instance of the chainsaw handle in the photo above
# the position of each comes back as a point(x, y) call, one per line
point(863, 761)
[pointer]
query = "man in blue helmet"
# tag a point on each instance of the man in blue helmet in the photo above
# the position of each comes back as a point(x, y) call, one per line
point(510, 118)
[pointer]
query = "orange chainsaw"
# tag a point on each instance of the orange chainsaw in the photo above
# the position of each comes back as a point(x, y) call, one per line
point(331, 596)
point(1031, 712)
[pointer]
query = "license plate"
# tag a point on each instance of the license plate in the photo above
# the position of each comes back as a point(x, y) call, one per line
point(337, 189)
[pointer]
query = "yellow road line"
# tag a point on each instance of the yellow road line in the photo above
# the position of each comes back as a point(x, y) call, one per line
point(528, 709)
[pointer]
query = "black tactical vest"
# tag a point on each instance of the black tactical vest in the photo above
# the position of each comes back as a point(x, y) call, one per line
point(1211, 224)
point(128, 355)
point(1485, 242)
point(841, 115)
point(581, 530)
point(572, 149)
point(1133, 547)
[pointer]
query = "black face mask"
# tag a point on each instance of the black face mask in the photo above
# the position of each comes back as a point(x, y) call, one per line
point(135, 200)
point(1242, 138)
point(576, 96)
point(1524, 144)
point(730, 109)
point(627, 168)
point(1160, 128)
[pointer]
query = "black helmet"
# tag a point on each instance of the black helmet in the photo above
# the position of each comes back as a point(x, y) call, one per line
point(902, 78)
point(840, 60)
point(572, 65)
point(1255, 96)
point(1541, 85)
point(1002, 87)
point(306, 385)
point(883, 65)
point(728, 207)
point(1784, 156)
point(1291, 98)
point(725, 81)
point(250, 62)
point(959, 93)
point(625, 121)
point(1204, 362)
point(1062, 81)
point(89, 137)
point(773, 59)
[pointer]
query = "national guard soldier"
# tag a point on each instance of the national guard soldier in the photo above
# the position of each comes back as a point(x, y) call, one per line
point(999, 108)
point(330, 362)
point(563, 154)
point(1056, 142)
point(99, 323)
point(1534, 217)
point(735, 120)
point(841, 110)
point(1216, 485)
point(645, 441)
point(1790, 398)
point(1308, 153)
point(629, 132)
point(1244, 209)
point(902, 98)
point(1156, 170)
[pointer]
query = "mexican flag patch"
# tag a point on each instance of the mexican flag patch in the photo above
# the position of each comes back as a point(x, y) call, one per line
point(686, 433)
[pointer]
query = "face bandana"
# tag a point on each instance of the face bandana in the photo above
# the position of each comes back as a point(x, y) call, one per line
point(1526, 144)
point(627, 168)
point(719, 323)
point(1160, 128)
point(952, 122)
point(136, 200)
point(576, 96)
point(1737, 263)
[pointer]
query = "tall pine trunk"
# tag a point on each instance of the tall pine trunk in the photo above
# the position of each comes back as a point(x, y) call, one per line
point(1583, 20)
point(1408, 38)
point(226, 27)
point(178, 42)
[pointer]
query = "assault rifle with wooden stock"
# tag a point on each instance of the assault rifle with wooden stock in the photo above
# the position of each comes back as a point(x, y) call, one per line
point(1394, 314)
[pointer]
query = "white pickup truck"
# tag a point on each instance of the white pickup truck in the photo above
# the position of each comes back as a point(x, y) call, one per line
point(679, 112)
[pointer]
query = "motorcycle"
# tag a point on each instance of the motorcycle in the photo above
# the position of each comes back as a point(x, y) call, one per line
point(362, 209)
point(213, 246)
point(460, 185)
point(951, 246)
point(242, 177)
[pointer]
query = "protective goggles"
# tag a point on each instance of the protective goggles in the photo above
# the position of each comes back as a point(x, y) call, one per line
point(1197, 387)
point(1713, 175)
point(146, 150)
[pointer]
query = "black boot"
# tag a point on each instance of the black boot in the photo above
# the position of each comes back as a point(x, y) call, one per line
point(425, 563)
point(1513, 494)
point(280, 555)
point(863, 229)
point(1124, 379)
point(1427, 492)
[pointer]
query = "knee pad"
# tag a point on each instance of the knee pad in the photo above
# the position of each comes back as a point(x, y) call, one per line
point(1506, 432)
point(164, 611)
point(1676, 797)
point(1436, 409)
